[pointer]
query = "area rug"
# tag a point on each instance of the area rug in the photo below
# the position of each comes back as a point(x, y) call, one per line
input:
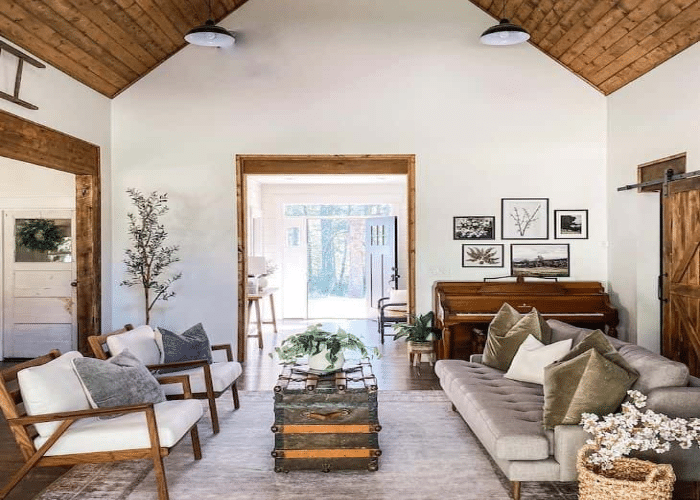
point(428, 452)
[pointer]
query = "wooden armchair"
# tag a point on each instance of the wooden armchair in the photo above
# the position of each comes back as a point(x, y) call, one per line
point(207, 381)
point(78, 441)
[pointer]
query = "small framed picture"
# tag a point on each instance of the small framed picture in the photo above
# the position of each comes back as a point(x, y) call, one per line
point(571, 224)
point(540, 260)
point(482, 255)
point(475, 227)
point(525, 218)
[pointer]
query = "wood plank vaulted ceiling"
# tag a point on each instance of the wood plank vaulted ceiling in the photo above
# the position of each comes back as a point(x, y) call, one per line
point(110, 44)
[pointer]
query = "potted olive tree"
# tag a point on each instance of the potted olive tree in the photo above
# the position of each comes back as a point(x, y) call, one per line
point(419, 333)
point(326, 350)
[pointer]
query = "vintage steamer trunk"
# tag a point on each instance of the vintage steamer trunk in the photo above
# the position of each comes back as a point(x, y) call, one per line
point(326, 422)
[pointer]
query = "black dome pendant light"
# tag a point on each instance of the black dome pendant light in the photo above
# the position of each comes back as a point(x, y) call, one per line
point(505, 32)
point(210, 35)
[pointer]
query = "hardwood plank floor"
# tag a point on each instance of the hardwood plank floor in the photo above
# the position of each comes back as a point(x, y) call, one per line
point(260, 372)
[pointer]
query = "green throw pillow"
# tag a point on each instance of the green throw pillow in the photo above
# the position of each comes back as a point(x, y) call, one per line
point(507, 331)
point(598, 340)
point(588, 383)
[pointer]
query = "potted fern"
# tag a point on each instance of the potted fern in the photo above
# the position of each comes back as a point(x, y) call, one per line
point(325, 350)
point(420, 335)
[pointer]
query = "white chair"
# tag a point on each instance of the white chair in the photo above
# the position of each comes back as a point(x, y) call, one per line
point(51, 419)
point(207, 381)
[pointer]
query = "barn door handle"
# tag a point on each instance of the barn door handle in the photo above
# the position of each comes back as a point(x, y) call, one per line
point(74, 284)
point(334, 415)
point(660, 287)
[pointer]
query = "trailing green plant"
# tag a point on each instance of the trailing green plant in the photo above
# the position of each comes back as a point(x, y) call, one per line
point(149, 258)
point(420, 329)
point(315, 339)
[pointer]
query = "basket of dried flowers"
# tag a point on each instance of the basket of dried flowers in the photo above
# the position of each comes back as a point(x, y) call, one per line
point(605, 471)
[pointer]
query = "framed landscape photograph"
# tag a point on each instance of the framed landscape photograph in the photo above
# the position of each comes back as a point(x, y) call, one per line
point(474, 227)
point(482, 255)
point(571, 224)
point(544, 260)
point(525, 218)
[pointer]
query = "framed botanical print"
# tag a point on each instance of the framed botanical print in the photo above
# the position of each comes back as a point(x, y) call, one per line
point(539, 260)
point(525, 218)
point(482, 255)
point(474, 227)
point(571, 224)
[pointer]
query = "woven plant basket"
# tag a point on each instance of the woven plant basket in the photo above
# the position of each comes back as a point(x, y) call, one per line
point(629, 479)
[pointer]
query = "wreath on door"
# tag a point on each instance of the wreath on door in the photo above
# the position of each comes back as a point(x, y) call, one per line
point(40, 234)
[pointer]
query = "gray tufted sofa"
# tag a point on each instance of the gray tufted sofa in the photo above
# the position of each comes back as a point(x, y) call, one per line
point(506, 415)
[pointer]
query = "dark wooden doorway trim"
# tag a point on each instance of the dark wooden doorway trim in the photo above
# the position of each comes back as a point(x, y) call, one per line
point(24, 140)
point(319, 165)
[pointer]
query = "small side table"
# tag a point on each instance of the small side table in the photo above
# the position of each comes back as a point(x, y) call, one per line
point(417, 349)
point(254, 299)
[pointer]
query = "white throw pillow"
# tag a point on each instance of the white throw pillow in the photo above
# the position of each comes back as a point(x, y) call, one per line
point(51, 388)
point(531, 358)
point(141, 342)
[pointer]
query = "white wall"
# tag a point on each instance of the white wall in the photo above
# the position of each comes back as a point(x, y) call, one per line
point(276, 196)
point(651, 118)
point(70, 107)
point(339, 77)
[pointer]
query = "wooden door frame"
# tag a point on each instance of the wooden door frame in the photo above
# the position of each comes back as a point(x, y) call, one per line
point(318, 165)
point(24, 140)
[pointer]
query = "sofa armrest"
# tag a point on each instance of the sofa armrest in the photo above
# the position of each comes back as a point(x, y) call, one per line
point(681, 402)
point(477, 358)
point(568, 439)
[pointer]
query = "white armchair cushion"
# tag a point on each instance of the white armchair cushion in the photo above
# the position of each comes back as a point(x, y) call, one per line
point(51, 388)
point(398, 297)
point(222, 376)
point(140, 341)
point(128, 431)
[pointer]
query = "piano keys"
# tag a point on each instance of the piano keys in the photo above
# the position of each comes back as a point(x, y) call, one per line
point(461, 307)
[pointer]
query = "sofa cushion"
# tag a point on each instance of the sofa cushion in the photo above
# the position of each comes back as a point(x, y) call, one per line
point(562, 331)
point(121, 381)
point(596, 339)
point(140, 341)
point(589, 383)
point(654, 369)
point(51, 388)
point(222, 376)
point(128, 431)
point(505, 414)
point(501, 348)
point(531, 358)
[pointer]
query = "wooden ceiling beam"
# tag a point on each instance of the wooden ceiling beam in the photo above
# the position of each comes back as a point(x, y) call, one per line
point(100, 58)
point(150, 13)
point(135, 15)
point(35, 44)
point(540, 20)
point(576, 10)
point(172, 10)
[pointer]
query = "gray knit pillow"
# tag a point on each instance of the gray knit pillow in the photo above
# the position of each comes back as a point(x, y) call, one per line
point(192, 345)
point(120, 381)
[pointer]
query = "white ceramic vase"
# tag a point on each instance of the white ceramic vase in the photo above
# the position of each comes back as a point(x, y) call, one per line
point(320, 363)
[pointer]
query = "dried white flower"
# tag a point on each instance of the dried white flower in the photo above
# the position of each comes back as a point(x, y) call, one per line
point(618, 434)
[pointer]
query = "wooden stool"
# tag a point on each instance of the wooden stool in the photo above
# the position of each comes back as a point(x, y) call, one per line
point(417, 349)
point(255, 298)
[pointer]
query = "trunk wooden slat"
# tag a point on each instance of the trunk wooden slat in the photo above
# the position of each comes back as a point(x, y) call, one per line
point(329, 424)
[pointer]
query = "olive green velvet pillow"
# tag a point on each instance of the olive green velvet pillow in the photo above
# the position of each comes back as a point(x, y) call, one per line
point(508, 331)
point(599, 341)
point(588, 383)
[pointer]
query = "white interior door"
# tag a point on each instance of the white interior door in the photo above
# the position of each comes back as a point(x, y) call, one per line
point(39, 288)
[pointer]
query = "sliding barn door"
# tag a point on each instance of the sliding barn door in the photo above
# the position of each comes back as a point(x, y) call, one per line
point(681, 261)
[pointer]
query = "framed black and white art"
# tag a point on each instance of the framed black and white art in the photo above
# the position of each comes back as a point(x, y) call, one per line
point(571, 224)
point(474, 227)
point(525, 218)
point(543, 260)
point(477, 255)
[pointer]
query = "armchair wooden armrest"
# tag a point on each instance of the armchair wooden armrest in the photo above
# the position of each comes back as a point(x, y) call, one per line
point(75, 415)
point(179, 379)
point(180, 364)
point(224, 347)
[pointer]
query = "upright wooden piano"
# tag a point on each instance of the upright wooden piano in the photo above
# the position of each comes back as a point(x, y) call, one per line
point(464, 308)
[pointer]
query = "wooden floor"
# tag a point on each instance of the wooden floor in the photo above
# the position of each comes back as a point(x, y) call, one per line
point(259, 374)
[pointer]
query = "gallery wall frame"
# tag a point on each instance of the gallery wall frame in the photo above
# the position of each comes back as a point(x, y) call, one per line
point(540, 260)
point(571, 224)
point(482, 255)
point(525, 218)
point(474, 227)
